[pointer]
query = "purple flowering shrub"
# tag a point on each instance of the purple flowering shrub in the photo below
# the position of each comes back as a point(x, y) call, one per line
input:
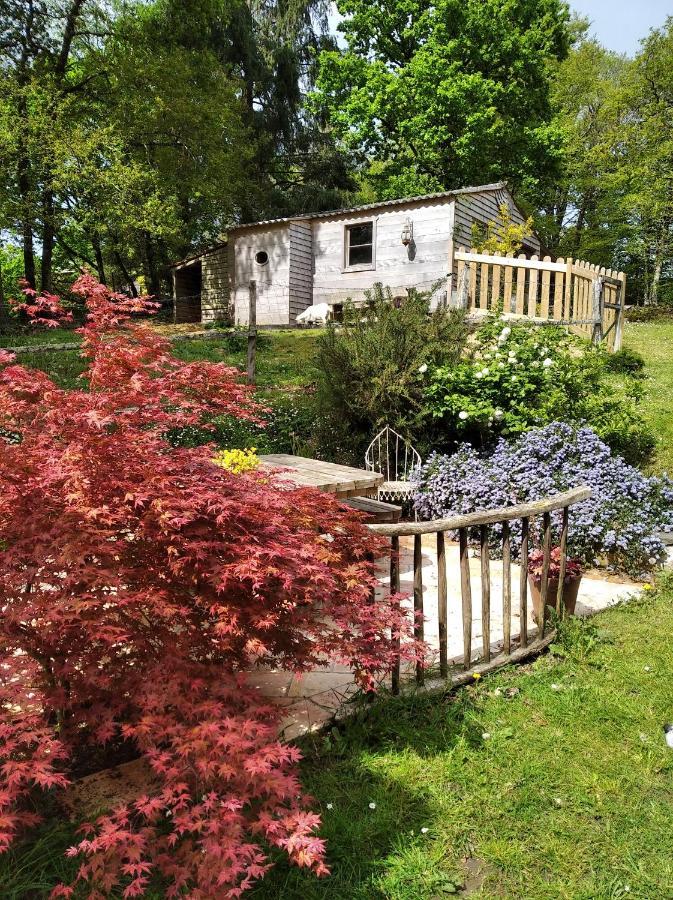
point(620, 520)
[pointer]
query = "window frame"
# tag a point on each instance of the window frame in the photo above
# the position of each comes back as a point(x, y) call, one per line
point(358, 267)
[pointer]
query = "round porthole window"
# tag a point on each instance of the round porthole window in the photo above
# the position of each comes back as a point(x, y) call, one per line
point(261, 257)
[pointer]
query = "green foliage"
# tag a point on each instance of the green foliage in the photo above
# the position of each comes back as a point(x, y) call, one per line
point(450, 94)
point(502, 235)
point(516, 377)
point(372, 368)
point(626, 360)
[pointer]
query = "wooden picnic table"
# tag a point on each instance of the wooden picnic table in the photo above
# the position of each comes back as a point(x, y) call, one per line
point(344, 481)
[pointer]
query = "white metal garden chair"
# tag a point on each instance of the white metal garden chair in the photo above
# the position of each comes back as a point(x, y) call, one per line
point(392, 456)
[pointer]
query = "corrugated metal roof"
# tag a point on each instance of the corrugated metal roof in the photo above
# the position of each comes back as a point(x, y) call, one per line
point(381, 204)
point(402, 201)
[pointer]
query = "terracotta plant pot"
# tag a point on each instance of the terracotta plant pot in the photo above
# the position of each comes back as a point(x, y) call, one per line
point(570, 591)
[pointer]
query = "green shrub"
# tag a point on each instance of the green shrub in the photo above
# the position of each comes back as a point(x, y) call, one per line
point(372, 368)
point(515, 377)
point(650, 313)
point(628, 361)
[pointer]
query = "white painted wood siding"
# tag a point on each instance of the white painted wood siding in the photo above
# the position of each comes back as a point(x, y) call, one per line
point(301, 268)
point(273, 279)
point(484, 207)
point(397, 266)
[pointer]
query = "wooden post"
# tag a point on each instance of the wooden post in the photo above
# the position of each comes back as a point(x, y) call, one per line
point(546, 559)
point(252, 331)
point(597, 310)
point(523, 583)
point(567, 298)
point(442, 605)
point(619, 314)
point(419, 627)
point(506, 589)
point(395, 590)
point(466, 594)
point(485, 594)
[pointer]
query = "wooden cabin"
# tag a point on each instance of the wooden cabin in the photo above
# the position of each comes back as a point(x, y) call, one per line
point(330, 257)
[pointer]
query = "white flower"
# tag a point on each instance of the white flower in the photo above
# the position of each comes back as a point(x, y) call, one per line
point(478, 374)
point(423, 369)
point(506, 331)
point(485, 371)
point(556, 687)
point(372, 805)
point(558, 801)
point(498, 414)
point(485, 736)
point(514, 378)
point(547, 363)
point(501, 365)
point(536, 364)
point(463, 415)
point(511, 353)
point(648, 668)
point(330, 806)
point(424, 830)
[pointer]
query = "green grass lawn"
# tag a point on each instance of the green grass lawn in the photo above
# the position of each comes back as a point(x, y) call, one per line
point(28, 337)
point(571, 796)
point(284, 358)
point(654, 340)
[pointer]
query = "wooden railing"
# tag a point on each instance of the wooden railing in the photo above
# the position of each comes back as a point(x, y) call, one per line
point(588, 299)
point(462, 525)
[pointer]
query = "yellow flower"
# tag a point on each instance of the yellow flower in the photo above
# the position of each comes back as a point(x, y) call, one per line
point(237, 461)
point(476, 676)
point(648, 587)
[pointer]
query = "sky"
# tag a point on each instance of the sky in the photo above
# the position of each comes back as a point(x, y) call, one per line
point(621, 24)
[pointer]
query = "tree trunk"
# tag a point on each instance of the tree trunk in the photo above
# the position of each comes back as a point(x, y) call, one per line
point(5, 321)
point(28, 253)
point(652, 297)
point(130, 282)
point(151, 270)
point(48, 233)
point(98, 253)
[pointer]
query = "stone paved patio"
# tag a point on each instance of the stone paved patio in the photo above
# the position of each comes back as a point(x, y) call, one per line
point(311, 700)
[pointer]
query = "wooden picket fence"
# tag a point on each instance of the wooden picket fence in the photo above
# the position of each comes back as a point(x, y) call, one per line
point(588, 299)
point(465, 526)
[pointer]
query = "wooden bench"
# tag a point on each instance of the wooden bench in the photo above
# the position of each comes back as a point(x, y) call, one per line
point(377, 512)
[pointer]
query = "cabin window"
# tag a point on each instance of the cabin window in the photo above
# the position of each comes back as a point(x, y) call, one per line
point(360, 245)
point(261, 257)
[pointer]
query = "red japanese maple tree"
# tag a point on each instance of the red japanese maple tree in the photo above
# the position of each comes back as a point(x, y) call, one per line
point(138, 583)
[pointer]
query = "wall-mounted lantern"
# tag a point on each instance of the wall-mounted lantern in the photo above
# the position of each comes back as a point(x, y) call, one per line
point(407, 232)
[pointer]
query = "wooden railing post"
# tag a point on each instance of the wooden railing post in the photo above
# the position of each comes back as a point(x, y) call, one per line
point(442, 611)
point(419, 630)
point(546, 558)
point(523, 582)
point(506, 589)
point(563, 549)
point(394, 592)
point(466, 594)
point(485, 594)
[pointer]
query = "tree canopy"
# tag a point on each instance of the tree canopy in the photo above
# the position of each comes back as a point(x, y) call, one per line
point(448, 94)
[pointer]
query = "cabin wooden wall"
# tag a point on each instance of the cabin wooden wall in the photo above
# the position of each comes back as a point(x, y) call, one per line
point(420, 265)
point(215, 295)
point(273, 279)
point(301, 268)
point(484, 207)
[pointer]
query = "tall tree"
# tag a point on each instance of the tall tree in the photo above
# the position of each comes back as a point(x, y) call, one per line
point(447, 94)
